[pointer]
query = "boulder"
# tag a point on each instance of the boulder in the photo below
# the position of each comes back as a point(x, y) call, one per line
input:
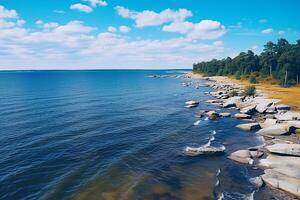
point(191, 106)
point(275, 130)
point(256, 154)
point(241, 156)
point(249, 126)
point(295, 124)
point(249, 110)
point(225, 114)
point(288, 116)
point(242, 116)
point(263, 105)
point(257, 181)
point(268, 123)
point(212, 115)
point(281, 181)
point(190, 151)
point(285, 149)
point(192, 103)
point(282, 107)
point(281, 162)
point(232, 102)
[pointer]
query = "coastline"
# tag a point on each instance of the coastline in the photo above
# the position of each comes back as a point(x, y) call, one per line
point(284, 177)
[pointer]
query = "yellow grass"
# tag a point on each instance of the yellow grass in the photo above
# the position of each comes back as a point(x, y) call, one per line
point(289, 96)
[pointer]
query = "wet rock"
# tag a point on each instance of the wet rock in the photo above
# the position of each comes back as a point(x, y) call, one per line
point(257, 181)
point(249, 126)
point(192, 103)
point(225, 114)
point(285, 149)
point(275, 130)
point(242, 116)
point(280, 181)
point(212, 115)
point(241, 156)
point(203, 150)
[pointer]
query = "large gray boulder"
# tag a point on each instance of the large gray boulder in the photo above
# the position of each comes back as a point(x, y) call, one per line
point(249, 126)
point(249, 110)
point(232, 102)
point(263, 105)
point(285, 149)
point(268, 123)
point(275, 130)
point(283, 182)
point(288, 116)
point(241, 156)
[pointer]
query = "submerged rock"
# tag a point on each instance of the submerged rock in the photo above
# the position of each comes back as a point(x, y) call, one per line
point(285, 149)
point(241, 156)
point(203, 150)
point(249, 126)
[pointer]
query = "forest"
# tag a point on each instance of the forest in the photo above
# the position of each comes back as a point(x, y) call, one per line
point(278, 62)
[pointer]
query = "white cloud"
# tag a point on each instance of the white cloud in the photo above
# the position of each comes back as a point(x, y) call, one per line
point(5, 13)
point(76, 45)
point(205, 29)
point(50, 25)
point(95, 3)
point(263, 21)
point(151, 18)
point(39, 22)
point(112, 29)
point(267, 31)
point(81, 7)
point(124, 29)
point(281, 32)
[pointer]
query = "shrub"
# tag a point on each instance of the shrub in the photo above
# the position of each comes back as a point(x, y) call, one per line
point(253, 80)
point(233, 93)
point(249, 90)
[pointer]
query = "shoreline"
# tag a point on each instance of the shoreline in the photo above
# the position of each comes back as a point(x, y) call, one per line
point(271, 120)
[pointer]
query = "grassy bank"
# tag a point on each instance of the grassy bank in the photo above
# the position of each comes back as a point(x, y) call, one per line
point(289, 95)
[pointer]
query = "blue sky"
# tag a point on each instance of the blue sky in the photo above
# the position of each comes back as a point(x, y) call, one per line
point(118, 34)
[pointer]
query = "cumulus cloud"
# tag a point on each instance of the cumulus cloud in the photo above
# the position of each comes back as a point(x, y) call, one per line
point(124, 29)
point(5, 13)
point(81, 7)
point(77, 45)
point(151, 18)
point(112, 29)
point(95, 3)
point(205, 29)
point(267, 31)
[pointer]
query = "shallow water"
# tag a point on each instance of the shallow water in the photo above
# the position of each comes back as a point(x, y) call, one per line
point(113, 135)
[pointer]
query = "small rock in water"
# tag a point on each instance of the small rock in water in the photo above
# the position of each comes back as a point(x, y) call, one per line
point(241, 156)
point(225, 114)
point(257, 181)
point(203, 150)
point(249, 126)
point(212, 115)
point(242, 116)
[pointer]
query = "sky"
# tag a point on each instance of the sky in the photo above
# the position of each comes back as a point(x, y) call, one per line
point(138, 34)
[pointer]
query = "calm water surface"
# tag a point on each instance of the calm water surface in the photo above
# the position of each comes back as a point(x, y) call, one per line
point(112, 135)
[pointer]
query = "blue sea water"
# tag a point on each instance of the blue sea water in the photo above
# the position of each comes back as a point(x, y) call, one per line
point(113, 134)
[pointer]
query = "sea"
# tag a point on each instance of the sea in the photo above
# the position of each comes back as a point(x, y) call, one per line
point(116, 135)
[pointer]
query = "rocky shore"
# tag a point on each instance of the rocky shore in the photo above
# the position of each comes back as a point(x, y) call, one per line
point(276, 123)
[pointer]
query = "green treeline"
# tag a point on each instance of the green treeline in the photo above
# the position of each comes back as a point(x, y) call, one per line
point(280, 62)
